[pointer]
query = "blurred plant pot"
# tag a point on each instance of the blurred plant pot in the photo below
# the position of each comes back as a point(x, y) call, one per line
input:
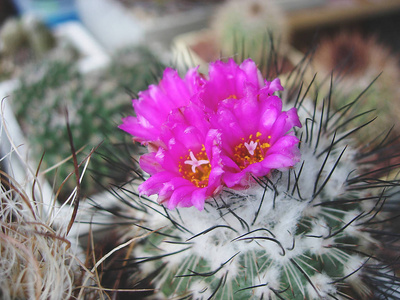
point(52, 12)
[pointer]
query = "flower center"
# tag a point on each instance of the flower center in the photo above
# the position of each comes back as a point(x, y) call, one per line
point(196, 168)
point(250, 151)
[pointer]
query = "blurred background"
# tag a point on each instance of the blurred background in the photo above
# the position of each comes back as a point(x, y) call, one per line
point(91, 57)
point(107, 19)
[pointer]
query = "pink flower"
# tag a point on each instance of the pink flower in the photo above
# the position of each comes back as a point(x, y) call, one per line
point(187, 170)
point(255, 136)
point(228, 80)
point(155, 104)
point(206, 133)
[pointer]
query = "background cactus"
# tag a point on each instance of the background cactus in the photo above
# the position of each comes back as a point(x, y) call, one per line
point(94, 103)
point(27, 40)
point(250, 28)
point(319, 230)
point(38, 260)
point(41, 257)
point(356, 61)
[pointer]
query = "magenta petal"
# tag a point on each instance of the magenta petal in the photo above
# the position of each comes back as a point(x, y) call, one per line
point(273, 86)
point(228, 124)
point(278, 161)
point(194, 80)
point(228, 80)
point(286, 144)
point(294, 117)
point(149, 163)
point(181, 196)
point(248, 109)
point(198, 198)
point(128, 124)
point(234, 179)
point(170, 186)
point(253, 74)
point(154, 184)
point(141, 130)
point(284, 122)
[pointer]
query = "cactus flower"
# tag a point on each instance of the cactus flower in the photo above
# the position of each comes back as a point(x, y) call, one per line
point(255, 137)
point(156, 103)
point(187, 169)
point(207, 133)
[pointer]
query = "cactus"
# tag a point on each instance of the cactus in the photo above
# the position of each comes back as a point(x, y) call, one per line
point(27, 41)
point(250, 28)
point(27, 32)
point(12, 36)
point(318, 226)
point(356, 61)
point(38, 260)
point(42, 256)
point(41, 39)
point(94, 103)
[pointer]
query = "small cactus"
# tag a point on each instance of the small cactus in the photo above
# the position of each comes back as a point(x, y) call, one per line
point(27, 41)
point(26, 33)
point(316, 228)
point(356, 61)
point(250, 28)
point(12, 36)
point(41, 39)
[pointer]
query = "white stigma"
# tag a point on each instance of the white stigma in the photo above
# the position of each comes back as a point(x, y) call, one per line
point(195, 163)
point(251, 147)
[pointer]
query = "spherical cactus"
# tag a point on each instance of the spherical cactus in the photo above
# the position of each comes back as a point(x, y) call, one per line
point(357, 61)
point(252, 203)
point(12, 36)
point(250, 28)
point(41, 39)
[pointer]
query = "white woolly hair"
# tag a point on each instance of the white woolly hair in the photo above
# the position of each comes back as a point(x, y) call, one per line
point(39, 256)
point(37, 261)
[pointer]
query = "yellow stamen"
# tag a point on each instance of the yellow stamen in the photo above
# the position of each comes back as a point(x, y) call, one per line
point(250, 151)
point(196, 168)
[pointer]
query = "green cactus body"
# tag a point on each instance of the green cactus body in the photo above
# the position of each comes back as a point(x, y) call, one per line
point(94, 102)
